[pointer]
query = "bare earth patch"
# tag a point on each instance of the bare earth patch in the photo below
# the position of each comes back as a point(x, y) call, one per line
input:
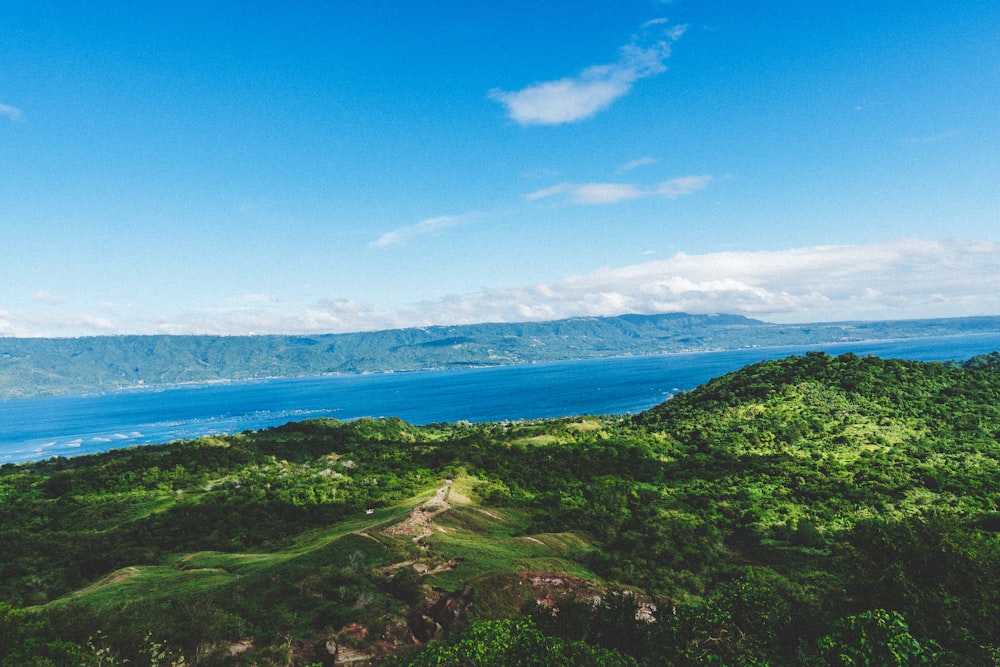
point(419, 522)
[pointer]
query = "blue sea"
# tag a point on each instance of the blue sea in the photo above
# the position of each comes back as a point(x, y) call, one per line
point(39, 428)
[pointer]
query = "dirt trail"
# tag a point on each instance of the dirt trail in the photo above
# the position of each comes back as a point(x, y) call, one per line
point(418, 524)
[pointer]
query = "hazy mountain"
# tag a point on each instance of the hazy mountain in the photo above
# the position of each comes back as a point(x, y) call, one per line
point(37, 366)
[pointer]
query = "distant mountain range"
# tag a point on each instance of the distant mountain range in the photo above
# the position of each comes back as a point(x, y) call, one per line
point(48, 366)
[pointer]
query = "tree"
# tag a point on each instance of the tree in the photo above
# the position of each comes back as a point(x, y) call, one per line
point(874, 637)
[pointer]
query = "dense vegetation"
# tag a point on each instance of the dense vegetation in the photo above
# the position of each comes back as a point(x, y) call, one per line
point(34, 366)
point(814, 510)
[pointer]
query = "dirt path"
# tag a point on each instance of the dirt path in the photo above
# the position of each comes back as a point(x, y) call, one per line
point(418, 524)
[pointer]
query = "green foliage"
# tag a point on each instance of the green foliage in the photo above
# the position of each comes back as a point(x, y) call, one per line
point(758, 619)
point(406, 585)
point(513, 644)
point(935, 566)
point(876, 637)
point(984, 362)
point(28, 641)
point(808, 510)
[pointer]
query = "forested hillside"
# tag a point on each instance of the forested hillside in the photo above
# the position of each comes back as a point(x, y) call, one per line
point(38, 366)
point(813, 510)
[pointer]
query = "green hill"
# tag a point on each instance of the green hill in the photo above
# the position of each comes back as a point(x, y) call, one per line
point(812, 510)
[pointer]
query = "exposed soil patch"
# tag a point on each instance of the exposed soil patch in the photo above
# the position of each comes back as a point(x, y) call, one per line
point(552, 587)
point(121, 575)
point(419, 522)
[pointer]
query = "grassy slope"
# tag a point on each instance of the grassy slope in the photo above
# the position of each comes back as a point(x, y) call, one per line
point(470, 540)
point(292, 589)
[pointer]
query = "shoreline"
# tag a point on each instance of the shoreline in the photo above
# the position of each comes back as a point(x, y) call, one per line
point(36, 428)
point(143, 386)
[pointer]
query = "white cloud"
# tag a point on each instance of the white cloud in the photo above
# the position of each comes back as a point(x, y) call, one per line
point(605, 193)
point(906, 278)
point(41, 296)
point(428, 227)
point(566, 100)
point(333, 315)
point(350, 315)
point(685, 185)
point(85, 321)
point(899, 279)
point(550, 191)
point(11, 113)
point(634, 164)
point(593, 90)
point(610, 193)
point(21, 323)
point(7, 327)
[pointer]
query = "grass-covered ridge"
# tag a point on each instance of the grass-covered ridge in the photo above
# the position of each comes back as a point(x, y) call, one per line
point(793, 512)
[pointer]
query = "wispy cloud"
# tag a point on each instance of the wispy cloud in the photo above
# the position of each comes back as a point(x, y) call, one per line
point(589, 193)
point(605, 193)
point(331, 315)
point(428, 227)
point(349, 315)
point(593, 90)
point(41, 296)
point(685, 185)
point(11, 113)
point(650, 24)
point(7, 324)
point(551, 191)
point(635, 164)
point(29, 324)
point(610, 193)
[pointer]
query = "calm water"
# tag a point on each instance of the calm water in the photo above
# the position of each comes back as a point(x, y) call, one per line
point(37, 428)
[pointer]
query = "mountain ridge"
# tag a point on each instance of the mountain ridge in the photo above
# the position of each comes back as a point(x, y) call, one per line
point(52, 366)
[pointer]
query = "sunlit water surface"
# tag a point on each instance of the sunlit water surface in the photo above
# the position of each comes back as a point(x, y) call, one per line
point(37, 428)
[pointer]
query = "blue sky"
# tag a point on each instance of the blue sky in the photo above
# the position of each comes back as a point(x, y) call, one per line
point(241, 167)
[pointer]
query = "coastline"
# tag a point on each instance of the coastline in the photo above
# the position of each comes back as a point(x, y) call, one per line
point(69, 425)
